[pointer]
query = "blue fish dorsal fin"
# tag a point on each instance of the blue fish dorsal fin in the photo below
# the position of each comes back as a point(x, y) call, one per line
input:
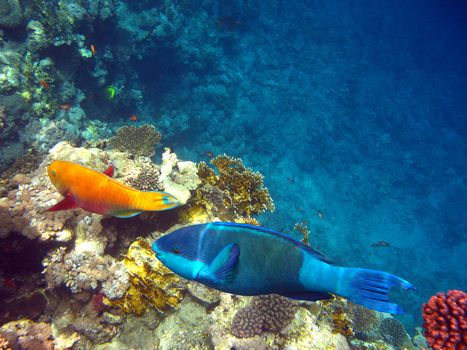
point(260, 229)
point(222, 269)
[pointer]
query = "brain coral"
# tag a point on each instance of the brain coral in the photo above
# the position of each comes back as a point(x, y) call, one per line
point(266, 313)
point(445, 317)
point(139, 141)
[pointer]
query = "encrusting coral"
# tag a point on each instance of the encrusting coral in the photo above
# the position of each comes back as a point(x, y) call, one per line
point(139, 141)
point(233, 193)
point(151, 283)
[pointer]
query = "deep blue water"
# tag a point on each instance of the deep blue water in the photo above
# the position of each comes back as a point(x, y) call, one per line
point(356, 109)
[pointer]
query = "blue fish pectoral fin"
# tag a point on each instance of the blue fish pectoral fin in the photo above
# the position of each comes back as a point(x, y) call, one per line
point(125, 214)
point(310, 296)
point(66, 203)
point(222, 269)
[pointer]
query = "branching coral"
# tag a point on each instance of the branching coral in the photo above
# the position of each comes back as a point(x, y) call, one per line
point(234, 192)
point(151, 283)
point(266, 313)
point(139, 141)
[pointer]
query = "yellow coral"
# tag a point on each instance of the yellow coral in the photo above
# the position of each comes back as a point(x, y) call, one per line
point(235, 193)
point(151, 283)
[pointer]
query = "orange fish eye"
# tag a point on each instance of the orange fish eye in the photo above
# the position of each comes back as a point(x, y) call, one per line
point(53, 173)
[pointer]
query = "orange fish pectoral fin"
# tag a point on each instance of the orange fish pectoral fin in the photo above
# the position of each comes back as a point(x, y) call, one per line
point(66, 203)
point(110, 171)
point(124, 214)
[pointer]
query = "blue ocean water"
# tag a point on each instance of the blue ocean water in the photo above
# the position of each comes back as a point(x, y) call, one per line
point(355, 112)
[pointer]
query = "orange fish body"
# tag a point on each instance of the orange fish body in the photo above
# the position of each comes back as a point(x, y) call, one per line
point(99, 193)
point(93, 49)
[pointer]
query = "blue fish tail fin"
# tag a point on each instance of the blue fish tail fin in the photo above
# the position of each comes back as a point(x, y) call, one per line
point(370, 288)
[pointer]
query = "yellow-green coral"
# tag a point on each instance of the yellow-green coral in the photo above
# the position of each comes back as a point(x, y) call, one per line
point(151, 283)
point(303, 229)
point(138, 141)
point(234, 192)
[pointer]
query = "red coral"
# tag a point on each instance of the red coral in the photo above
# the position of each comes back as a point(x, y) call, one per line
point(445, 320)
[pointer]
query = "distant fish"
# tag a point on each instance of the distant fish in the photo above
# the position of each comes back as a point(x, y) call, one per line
point(250, 260)
point(381, 244)
point(44, 84)
point(320, 214)
point(110, 92)
point(228, 22)
point(208, 154)
point(134, 118)
point(99, 193)
point(93, 49)
point(65, 106)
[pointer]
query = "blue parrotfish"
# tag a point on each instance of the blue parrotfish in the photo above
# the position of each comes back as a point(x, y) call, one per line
point(250, 260)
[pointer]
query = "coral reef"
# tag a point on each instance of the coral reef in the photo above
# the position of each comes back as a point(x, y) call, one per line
point(151, 283)
point(139, 141)
point(445, 317)
point(394, 333)
point(235, 193)
point(11, 13)
point(266, 313)
point(26, 334)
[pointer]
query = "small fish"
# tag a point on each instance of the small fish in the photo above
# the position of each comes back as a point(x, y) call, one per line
point(110, 92)
point(208, 154)
point(320, 214)
point(44, 84)
point(250, 260)
point(134, 118)
point(93, 49)
point(65, 106)
point(99, 193)
point(380, 244)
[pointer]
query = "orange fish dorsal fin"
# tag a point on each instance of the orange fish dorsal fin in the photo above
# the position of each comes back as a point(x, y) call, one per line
point(110, 171)
point(67, 203)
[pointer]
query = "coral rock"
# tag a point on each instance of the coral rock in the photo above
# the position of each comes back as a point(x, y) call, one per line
point(26, 334)
point(11, 13)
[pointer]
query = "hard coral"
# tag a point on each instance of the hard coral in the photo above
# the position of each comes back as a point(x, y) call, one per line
point(151, 283)
point(266, 313)
point(139, 141)
point(233, 193)
point(393, 332)
point(26, 334)
point(445, 317)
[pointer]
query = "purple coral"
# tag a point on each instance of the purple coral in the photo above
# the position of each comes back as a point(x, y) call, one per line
point(266, 313)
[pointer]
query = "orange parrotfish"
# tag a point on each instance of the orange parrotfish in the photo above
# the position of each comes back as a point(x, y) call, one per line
point(99, 193)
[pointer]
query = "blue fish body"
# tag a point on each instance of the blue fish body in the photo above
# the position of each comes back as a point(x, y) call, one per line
point(249, 260)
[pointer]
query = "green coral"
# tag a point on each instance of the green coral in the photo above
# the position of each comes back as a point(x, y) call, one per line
point(139, 141)
point(234, 192)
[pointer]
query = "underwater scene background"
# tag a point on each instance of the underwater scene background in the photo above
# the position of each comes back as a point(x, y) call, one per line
point(354, 112)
